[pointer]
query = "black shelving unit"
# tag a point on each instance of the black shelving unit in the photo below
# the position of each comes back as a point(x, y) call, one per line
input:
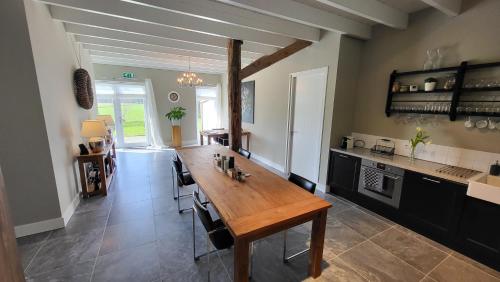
point(459, 72)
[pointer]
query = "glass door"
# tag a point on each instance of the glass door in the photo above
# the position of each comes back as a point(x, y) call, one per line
point(126, 103)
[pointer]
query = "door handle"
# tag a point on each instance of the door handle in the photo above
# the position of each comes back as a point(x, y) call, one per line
point(343, 156)
point(391, 177)
point(431, 180)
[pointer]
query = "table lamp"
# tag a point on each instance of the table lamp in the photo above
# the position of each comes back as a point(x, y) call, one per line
point(110, 124)
point(94, 130)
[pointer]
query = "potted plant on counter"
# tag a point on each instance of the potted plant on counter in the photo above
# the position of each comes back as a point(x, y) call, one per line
point(420, 137)
point(175, 115)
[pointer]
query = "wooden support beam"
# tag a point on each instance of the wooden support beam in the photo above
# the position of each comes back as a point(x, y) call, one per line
point(268, 60)
point(234, 92)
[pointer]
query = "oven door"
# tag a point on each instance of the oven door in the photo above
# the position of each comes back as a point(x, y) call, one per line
point(382, 186)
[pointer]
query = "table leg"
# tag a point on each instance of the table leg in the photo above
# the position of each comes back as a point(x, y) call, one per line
point(317, 242)
point(102, 172)
point(209, 139)
point(201, 139)
point(241, 260)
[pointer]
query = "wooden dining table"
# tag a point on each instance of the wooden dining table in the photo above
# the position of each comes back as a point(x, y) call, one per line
point(263, 204)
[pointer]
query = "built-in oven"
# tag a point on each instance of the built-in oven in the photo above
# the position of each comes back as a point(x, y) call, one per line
point(381, 182)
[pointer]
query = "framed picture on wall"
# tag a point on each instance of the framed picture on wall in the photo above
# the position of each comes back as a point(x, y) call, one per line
point(248, 101)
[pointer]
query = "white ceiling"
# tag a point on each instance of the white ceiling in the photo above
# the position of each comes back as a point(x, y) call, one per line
point(166, 34)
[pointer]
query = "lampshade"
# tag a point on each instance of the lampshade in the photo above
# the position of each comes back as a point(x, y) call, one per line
point(108, 119)
point(93, 128)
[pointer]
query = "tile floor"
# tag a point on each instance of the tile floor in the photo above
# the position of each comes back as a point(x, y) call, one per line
point(136, 234)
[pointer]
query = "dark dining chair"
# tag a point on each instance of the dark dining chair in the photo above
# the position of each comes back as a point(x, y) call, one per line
point(244, 153)
point(310, 187)
point(217, 232)
point(183, 179)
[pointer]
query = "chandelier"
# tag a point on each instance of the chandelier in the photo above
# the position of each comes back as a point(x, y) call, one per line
point(189, 79)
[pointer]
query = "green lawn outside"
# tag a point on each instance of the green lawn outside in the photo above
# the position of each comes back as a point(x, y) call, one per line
point(133, 115)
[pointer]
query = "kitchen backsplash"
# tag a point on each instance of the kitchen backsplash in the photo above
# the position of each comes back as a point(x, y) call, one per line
point(471, 159)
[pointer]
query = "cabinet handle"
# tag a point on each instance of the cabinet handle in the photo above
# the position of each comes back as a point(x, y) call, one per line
point(343, 156)
point(391, 177)
point(431, 180)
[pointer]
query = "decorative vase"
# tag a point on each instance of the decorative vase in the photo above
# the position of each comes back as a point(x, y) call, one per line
point(176, 136)
point(430, 86)
point(412, 154)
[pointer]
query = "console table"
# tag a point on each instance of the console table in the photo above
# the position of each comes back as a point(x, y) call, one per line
point(105, 160)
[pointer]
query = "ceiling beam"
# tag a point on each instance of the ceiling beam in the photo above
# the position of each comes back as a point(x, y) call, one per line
point(120, 9)
point(449, 7)
point(155, 55)
point(112, 60)
point(235, 16)
point(150, 40)
point(102, 21)
point(304, 14)
point(373, 10)
point(146, 47)
point(267, 61)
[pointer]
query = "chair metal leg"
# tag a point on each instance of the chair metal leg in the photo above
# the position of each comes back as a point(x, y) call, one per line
point(173, 183)
point(208, 255)
point(285, 258)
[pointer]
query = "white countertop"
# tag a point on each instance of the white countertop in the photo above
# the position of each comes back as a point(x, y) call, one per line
point(403, 162)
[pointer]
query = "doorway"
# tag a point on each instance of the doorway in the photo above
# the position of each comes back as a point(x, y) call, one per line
point(207, 108)
point(305, 122)
point(125, 101)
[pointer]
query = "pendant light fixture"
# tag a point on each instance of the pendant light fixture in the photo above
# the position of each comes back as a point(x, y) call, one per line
point(189, 79)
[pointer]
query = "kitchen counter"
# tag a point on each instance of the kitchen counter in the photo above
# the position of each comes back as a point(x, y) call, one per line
point(421, 166)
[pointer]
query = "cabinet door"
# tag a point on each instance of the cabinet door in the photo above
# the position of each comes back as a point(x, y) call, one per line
point(431, 205)
point(479, 235)
point(344, 172)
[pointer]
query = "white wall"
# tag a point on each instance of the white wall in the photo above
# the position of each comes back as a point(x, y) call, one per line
point(56, 60)
point(163, 82)
point(269, 132)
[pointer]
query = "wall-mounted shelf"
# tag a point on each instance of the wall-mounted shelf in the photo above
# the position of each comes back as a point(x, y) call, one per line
point(459, 73)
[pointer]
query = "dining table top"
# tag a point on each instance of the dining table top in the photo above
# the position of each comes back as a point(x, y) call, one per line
point(264, 201)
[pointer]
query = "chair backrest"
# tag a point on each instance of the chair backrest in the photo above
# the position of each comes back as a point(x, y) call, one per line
point(177, 165)
point(302, 182)
point(244, 153)
point(225, 136)
point(202, 213)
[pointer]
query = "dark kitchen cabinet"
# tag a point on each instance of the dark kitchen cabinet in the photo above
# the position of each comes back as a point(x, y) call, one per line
point(432, 206)
point(479, 233)
point(343, 174)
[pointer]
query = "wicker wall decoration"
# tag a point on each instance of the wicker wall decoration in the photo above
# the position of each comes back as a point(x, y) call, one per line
point(83, 87)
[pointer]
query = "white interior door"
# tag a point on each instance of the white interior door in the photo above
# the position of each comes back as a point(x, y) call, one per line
point(307, 102)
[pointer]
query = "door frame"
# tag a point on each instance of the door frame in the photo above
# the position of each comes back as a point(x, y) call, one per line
point(292, 78)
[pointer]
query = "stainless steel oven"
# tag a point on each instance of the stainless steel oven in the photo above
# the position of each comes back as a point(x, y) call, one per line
point(381, 182)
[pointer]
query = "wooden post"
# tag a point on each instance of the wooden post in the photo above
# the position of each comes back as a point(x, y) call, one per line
point(10, 263)
point(234, 92)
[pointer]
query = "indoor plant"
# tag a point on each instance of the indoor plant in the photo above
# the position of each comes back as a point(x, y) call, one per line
point(175, 115)
point(420, 137)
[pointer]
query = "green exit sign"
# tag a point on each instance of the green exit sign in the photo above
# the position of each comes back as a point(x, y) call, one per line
point(128, 75)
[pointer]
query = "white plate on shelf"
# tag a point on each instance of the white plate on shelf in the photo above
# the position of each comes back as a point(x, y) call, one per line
point(482, 124)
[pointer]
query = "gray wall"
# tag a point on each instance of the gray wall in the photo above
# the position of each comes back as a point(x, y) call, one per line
point(164, 81)
point(24, 151)
point(269, 132)
point(472, 36)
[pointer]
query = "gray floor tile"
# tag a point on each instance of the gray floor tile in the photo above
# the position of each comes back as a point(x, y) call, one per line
point(66, 250)
point(27, 252)
point(376, 264)
point(425, 239)
point(83, 223)
point(453, 269)
point(79, 272)
point(126, 212)
point(339, 238)
point(136, 264)
point(95, 203)
point(33, 239)
point(483, 267)
point(413, 251)
point(363, 223)
point(338, 271)
point(127, 235)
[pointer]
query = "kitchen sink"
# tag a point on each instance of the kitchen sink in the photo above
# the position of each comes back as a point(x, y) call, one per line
point(485, 187)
